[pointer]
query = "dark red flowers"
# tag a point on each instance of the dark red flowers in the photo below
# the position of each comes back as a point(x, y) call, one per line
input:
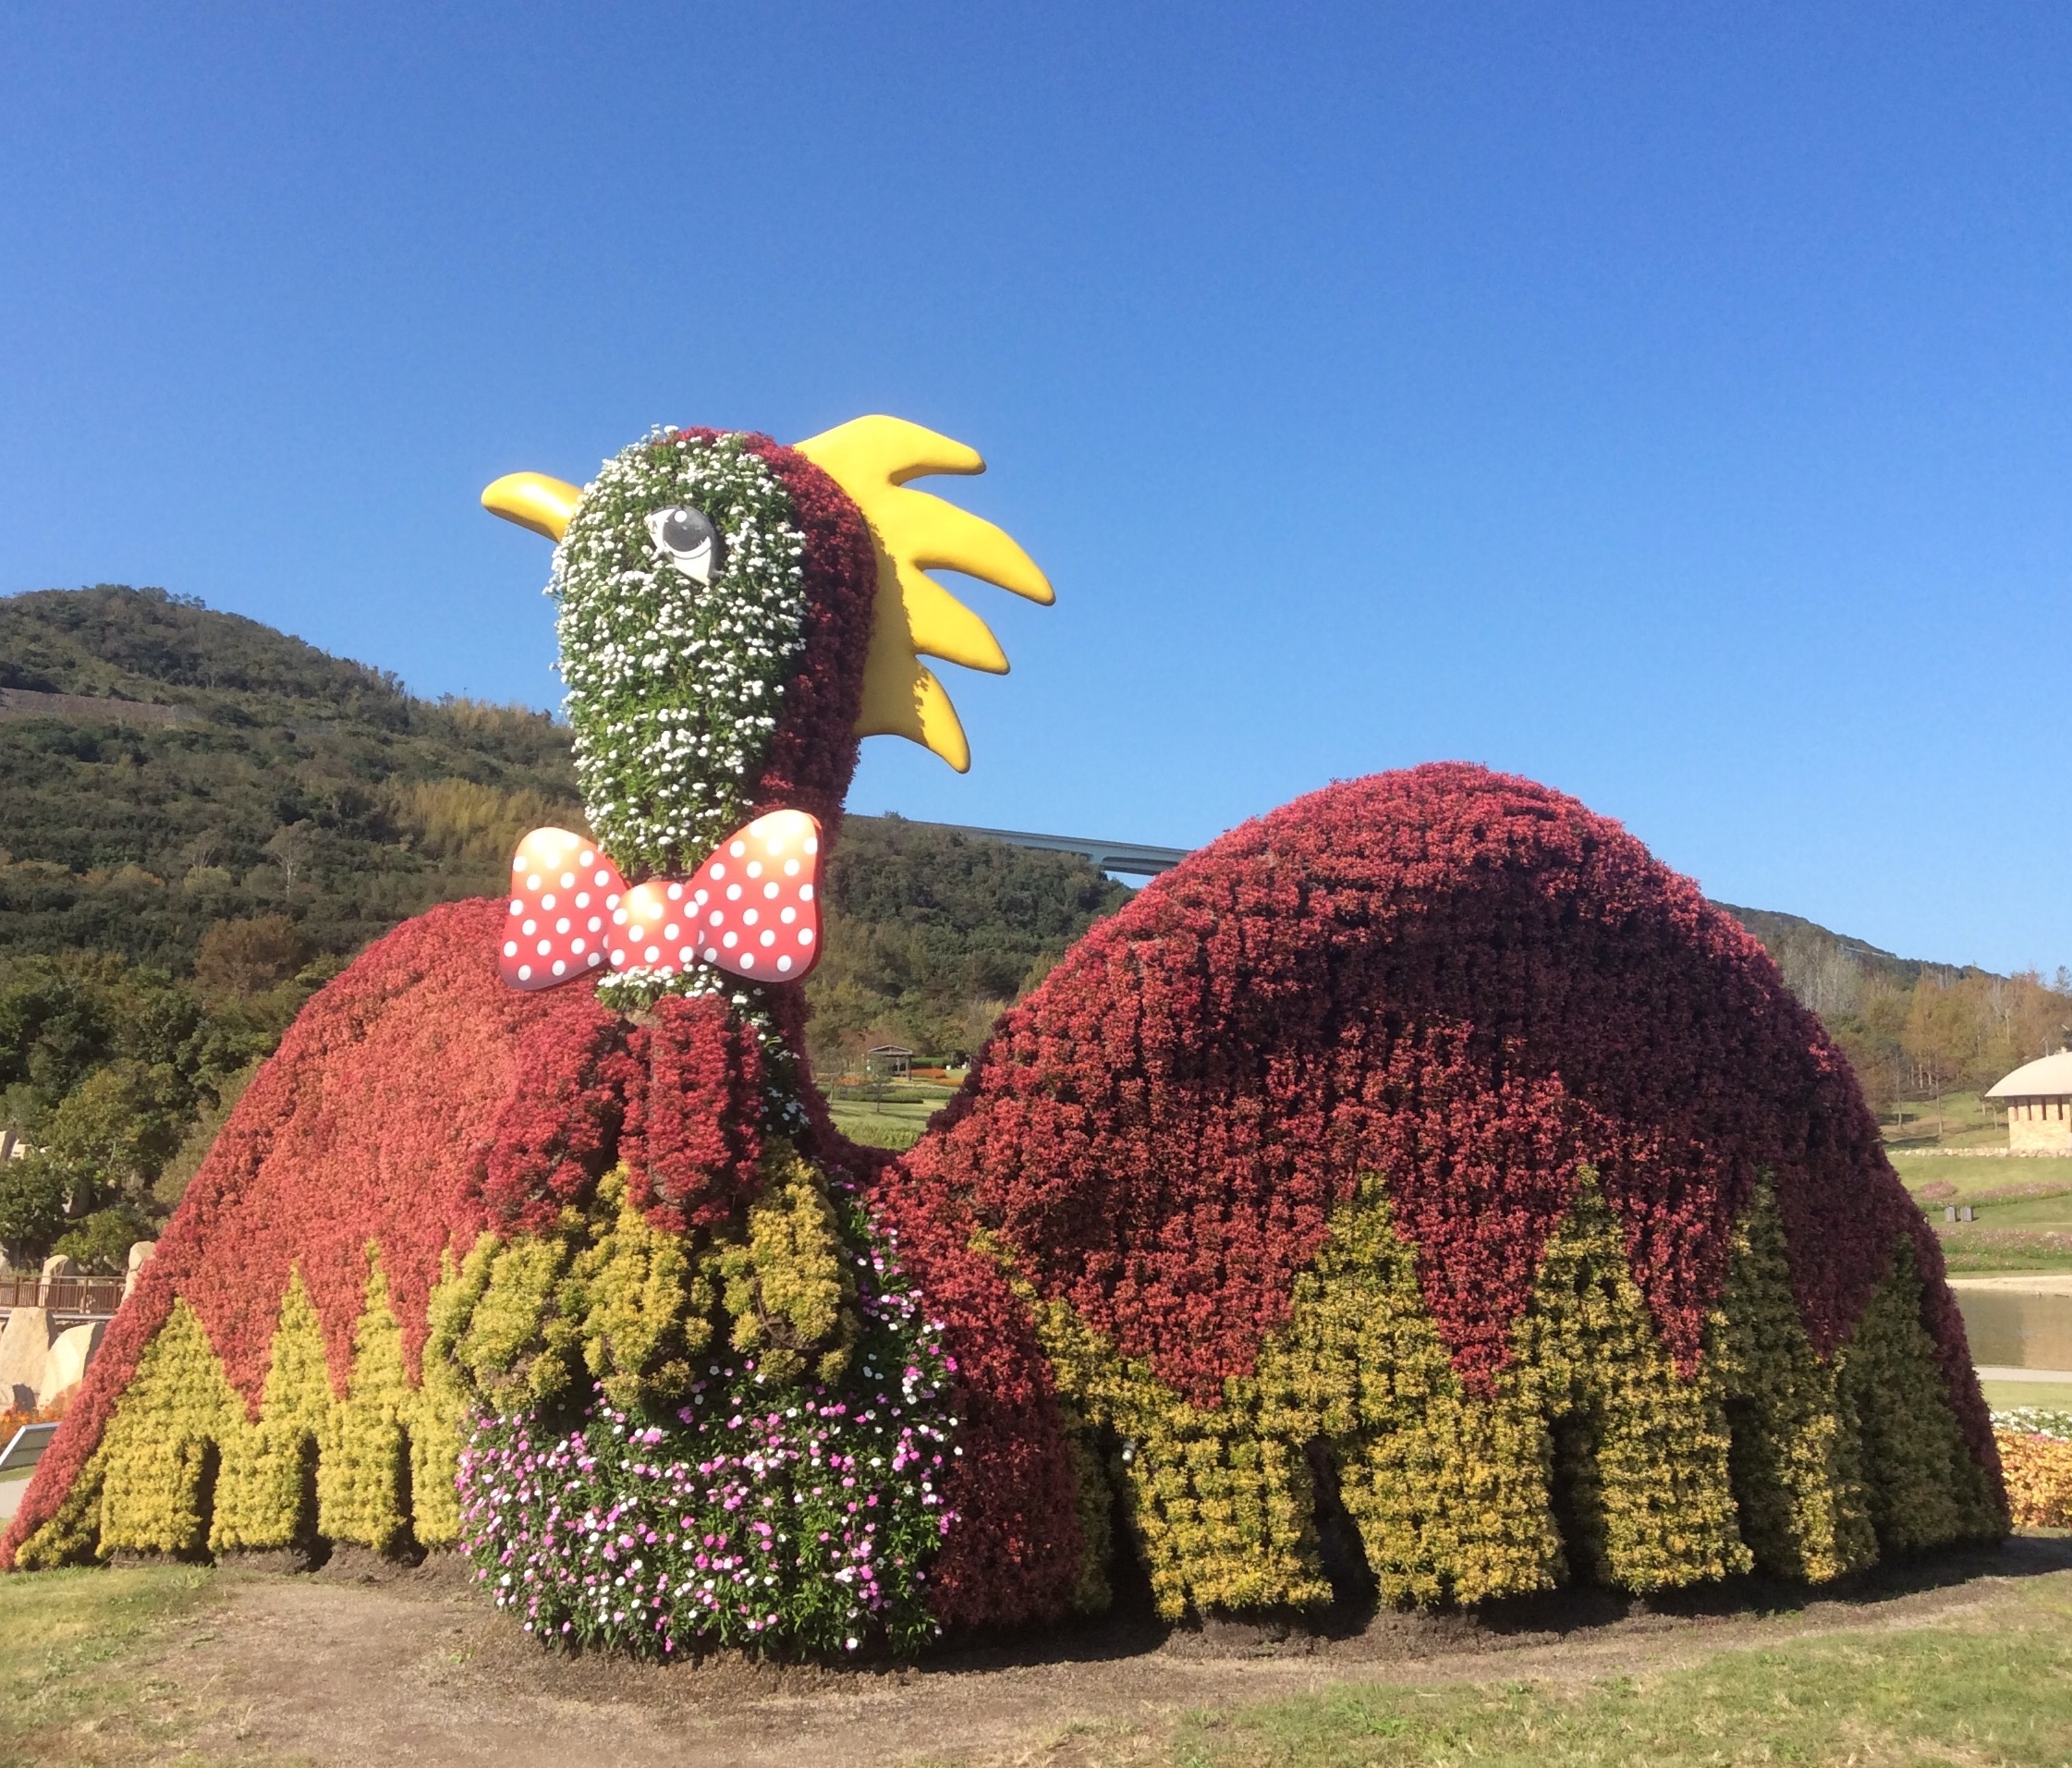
point(1457, 980)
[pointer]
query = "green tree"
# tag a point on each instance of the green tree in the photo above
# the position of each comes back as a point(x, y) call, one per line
point(104, 1237)
point(31, 1207)
point(109, 1136)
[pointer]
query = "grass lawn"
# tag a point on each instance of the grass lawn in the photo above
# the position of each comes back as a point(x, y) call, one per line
point(895, 1120)
point(1968, 1121)
point(90, 1662)
point(1973, 1177)
point(2047, 1396)
point(71, 1690)
point(2024, 1210)
point(1992, 1692)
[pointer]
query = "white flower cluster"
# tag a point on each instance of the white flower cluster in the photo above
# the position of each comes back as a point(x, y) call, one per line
point(674, 686)
point(2034, 1421)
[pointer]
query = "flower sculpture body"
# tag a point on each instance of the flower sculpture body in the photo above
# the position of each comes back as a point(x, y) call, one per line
point(1419, 1190)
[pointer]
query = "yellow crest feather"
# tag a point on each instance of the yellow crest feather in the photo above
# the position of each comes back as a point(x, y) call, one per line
point(872, 459)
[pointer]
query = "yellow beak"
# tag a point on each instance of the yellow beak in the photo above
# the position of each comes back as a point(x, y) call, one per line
point(534, 501)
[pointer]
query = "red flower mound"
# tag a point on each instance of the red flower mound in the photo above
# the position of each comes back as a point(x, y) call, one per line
point(416, 1100)
point(1462, 982)
point(693, 1145)
point(1013, 1557)
point(556, 1133)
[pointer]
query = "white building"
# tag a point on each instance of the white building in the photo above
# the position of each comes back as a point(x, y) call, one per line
point(2039, 1100)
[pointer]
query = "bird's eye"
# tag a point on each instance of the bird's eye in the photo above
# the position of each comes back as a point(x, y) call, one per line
point(689, 540)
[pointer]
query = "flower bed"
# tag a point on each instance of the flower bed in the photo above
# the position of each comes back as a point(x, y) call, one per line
point(1423, 1162)
point(1470, 991)
point(765, 1512)
point(2036, 1451)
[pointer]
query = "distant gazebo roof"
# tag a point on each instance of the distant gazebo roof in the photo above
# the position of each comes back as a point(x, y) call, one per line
point(2047, 1077)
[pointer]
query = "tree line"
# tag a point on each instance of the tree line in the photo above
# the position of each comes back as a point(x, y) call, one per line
point(1949, 1033)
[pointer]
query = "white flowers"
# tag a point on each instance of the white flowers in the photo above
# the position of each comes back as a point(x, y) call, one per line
point(675, 687)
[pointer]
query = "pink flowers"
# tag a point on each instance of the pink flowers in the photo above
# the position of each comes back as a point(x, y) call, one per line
point(754, 1477)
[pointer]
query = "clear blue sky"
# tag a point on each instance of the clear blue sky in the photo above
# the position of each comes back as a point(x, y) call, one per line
point(1672, 403)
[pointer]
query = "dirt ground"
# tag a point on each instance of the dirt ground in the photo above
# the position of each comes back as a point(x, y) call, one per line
point(361, 1661)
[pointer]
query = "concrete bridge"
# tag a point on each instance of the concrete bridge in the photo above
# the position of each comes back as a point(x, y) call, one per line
point(1132, 858)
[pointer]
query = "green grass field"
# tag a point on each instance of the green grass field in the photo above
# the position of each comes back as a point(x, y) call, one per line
point(71, 1687)
point(1998, 1694)
point(1966, 1120)
point(2024, 1210)
point(2045, 1397)
point(889, 1117)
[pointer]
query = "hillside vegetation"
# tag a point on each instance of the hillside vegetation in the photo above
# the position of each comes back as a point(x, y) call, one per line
point(215, 816)
point(293, 783)
point(1916, 1032)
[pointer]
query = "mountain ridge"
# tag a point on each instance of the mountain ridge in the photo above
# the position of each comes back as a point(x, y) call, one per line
point(347, 748)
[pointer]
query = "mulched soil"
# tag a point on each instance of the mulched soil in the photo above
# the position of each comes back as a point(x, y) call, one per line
point(364, 1661)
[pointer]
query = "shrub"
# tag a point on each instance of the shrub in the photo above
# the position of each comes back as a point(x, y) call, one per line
point(1464, 998)
point(779, 1505)
point(249, 956)
point(2035, 1450)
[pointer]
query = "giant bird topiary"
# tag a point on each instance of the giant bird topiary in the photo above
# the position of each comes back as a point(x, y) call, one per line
point(1421, 1167)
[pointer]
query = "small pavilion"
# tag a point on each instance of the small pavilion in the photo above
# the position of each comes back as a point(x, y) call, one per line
point(2039, 1100)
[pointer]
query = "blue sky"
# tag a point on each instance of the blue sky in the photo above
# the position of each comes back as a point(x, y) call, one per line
point(1673, 403)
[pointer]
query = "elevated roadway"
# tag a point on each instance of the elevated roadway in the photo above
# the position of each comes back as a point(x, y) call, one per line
point(1132, 859)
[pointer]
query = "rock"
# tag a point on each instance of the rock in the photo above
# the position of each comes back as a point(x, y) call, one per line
point(57, 1269)
point(25, 1349)
point(70, 1351)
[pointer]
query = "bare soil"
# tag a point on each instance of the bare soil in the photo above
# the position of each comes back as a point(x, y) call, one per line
point(363, 1661)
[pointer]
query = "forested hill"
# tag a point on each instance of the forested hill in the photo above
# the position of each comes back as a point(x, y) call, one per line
point(201, 819)
point(204, 768)
point(167, 770)
point(1826, 969)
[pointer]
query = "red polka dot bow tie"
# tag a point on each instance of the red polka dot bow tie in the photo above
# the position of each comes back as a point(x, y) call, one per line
point(753, 908)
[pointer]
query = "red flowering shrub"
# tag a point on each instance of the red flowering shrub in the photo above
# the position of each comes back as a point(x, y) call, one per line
point(1014, 1557)
point(376, 1122)
point(1469, 985)
point(1448, 1018)
point(693, 1140)
point(557, 1133)
point(812, 753)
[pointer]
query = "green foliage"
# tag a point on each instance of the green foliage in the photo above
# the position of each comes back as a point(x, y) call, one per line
point(930, 933)
point(184, 1468)
point(1923, 1487)
point(32, 1206)
point(117, 1127)
point(1593, 1460)
point(786, 1286)
point(62, 1018)
point(1796, 1462)
point(138, 838)
point(604, 1299)
point(104, 1237)
point(246, 958)
point(105, 1066)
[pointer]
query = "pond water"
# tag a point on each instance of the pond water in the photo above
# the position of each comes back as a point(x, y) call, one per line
point(2018, 1331)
